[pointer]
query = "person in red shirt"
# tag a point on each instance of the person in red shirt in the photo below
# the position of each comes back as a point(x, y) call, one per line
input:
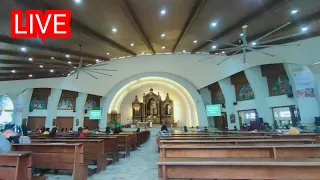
point(80, 134)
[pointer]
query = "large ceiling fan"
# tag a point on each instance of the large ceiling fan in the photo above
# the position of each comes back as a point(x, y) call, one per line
point(88, 69)
point(254, 45)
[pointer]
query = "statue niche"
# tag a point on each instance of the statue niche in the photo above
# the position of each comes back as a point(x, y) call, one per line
point(153, 109)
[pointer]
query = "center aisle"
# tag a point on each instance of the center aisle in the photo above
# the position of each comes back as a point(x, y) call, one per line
point(140, 165)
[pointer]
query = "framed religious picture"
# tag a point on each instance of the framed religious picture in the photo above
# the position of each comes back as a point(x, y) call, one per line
point(232, 118)
point(77, 122)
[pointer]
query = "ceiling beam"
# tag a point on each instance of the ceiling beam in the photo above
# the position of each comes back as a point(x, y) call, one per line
point(294, 24)
point(39, 57)
point(34, 63)
point(136, 23)
point(25, 76)
point(78, 26)
point(28, 43)
point(192, 16)
point(246, 20)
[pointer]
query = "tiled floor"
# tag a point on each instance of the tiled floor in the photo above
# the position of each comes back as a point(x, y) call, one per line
point(140, 165)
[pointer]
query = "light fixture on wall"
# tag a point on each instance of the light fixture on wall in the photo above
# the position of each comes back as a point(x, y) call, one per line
point(254, 45)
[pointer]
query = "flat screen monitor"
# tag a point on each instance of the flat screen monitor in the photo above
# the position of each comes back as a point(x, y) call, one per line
point(213, 110)
point(95, 114)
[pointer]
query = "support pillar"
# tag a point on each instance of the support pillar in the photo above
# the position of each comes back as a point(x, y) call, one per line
point(79, 115)
point(259, 85)
point(21, 106)
point(207, 100)
point(104, 115)
point(228, 91)
point(53, 101)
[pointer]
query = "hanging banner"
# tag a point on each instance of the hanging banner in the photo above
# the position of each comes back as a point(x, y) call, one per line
point(304, 84)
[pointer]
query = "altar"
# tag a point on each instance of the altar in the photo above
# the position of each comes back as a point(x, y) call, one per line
point(153, 109)
point(144, 124)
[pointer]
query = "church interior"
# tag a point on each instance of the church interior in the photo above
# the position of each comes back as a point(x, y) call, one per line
point(159, 89)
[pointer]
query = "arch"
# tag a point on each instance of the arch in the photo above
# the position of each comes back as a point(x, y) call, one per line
point(6, 110)
point(196, 108)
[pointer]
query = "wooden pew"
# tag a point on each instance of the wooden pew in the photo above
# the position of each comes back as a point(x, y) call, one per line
point(57, 156)
point(238, 142)
point(279, 151)
point(212, 137)
point(132, 139)
point(239, 168)
point(16, 165)
point(93, 149)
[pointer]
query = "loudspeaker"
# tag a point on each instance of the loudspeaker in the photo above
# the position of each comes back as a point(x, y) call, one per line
point(235, 103)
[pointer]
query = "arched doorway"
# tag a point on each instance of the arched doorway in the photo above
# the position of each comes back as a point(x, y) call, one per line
point(6, 110)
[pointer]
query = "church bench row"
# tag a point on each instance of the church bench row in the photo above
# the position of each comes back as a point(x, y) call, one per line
point(15, 166)
point(279, 151)
point(212, 137)
point(93, 149)
point(241, 142)
point(235, 168)
point(56, 156)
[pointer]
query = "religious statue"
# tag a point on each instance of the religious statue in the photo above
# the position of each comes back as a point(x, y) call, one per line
point(137, 111)
point(169, 110)
point(153, 108)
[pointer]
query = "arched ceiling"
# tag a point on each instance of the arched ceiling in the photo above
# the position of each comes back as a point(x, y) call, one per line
point(187, 25)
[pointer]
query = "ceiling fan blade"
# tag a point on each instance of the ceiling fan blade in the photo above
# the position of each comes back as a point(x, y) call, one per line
point(223, 49)
point(281, 38)
point(100, 64)
point(255, 50)
point(221, 42)
point(229, 57)
point(90, 74)
point(102, 69)
point(271, 32)
point(276, 45)
point(206, 59)
point(99, 72)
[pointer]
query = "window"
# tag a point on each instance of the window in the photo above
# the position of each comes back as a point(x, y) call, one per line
point(6, 110)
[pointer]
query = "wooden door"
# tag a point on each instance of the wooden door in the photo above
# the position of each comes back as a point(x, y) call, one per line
point(64, 122)
point(36, 122)
point(91, 124)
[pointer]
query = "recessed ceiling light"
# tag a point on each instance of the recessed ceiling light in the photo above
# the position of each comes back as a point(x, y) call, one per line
point(77, 1)
point(52, 57)
point(253, 43)
point(184, 51)
point(69, 62)
point(195, 41)
point(67, 55)
point(30, 75)
point(41, 66)
point(214, 47)
point(295, 11)
point(97, 60)
point(163, 35)
point(132, 44)
point(13, 71)
point(114, 30)
point(214, 24)
point(163, 47)
point(30, 59)
point(23, 49)
point(241, 34)
point(108, 53)
point(223, 52)
point(51, 70)
point(163, 12)
point(304, 29)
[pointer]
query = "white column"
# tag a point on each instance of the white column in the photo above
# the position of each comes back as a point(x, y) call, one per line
point(259, 86)
point(53, 101)
point(104, 111)
point(21, 106)
point(308, 106)
point(79, 115)
point(206, 98)
point(229, 93)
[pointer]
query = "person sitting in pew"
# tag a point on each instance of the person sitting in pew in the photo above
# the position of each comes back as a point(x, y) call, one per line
point(4, 144)
point(80, 133)
point(108, 131)
point(185, 129)
point(205, 129)
point(164, 131)
point(117, 130)
point(86, 131)
point(138, 130)
point(70, 130)
point(198, 129)
point(38, 131)
point(47, 131)
point(146, 129)
point(62, 130)
point(235, 128)
point(53, 132)
point(10, 133)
